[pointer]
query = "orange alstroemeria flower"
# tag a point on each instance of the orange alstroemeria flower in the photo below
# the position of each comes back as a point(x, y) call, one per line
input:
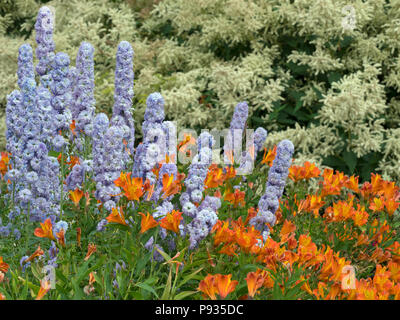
point(37, 253)
point(207, 287)
point(287, 229)
point(215, 177)
point(246, 239)
point(171, 186)
point(133, 188)
point(236, 198)
point(3, 266)
point(230, 172)
point(61, 237)
point(225, 285)
point(171, 221)
point(223, 234)
point(44, 288)
point(117, 216)
point(91, 249)
point(4, 163)
point(76, 196)
point(269, 158)
point(254, 282)
point(148, 222)
point(46, 230)
point(307, 171)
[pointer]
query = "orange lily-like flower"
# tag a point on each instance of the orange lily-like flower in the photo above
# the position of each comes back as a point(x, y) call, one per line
point(37, 253)
point(4, 163)
point(148, 222)
point(236, 198)
point(391, 206)
point(254, 282)
point(352, 184)
point(91, 249)
point(307, 171)
point(46, 230)
point(269, 158)
point(223, 234)
point(72, 127)
point(185, 143)
point(3, 266)
point(171, 186)
point(73, 160)
point(171, 221)
point(2, 297)
point(229, 249)
point(288, 228)
point(246, 239)
point(208, 287)
point(230, 172)
point(44, 288)
point(377, 204)
point(225, 285)
point(76, 196)
point(133, 188)
point(117, 216)
point(61, 237)
point(215, 177)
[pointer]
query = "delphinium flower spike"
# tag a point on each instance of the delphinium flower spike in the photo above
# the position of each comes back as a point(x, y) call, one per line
point(152, 149)
point(60, 86)
point(235, 133)
point(45, 45)
point(123, 92)
point(107, 158)
point(269, 202)
point(83, 104)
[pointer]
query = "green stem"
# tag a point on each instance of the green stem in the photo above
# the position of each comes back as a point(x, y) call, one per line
point(62, 183)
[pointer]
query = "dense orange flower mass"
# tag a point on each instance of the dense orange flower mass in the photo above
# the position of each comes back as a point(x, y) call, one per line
point(133, 188)
point(117, 216)
point(171, 221)
point(46, 230)
point(219, 284)
point(148, 222)
point(307, 171)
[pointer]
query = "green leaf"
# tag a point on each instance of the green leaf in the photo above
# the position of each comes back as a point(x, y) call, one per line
point(167, 290)
point(184, 294)
point(146, 287)
point(350, 159)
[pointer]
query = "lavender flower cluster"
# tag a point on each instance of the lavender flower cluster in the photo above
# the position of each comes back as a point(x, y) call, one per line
point(82, 78)
point(60, 87)
point(108, 159)
point(150, 152)
point(204, 216)
point(269, 202)
point(44, 38)
point(123, 92)
point(235, 133)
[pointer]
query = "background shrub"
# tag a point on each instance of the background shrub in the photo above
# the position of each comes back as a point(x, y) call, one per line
point(334, 92)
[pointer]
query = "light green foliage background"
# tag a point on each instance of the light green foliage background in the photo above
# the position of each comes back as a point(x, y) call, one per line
point(334, 92)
